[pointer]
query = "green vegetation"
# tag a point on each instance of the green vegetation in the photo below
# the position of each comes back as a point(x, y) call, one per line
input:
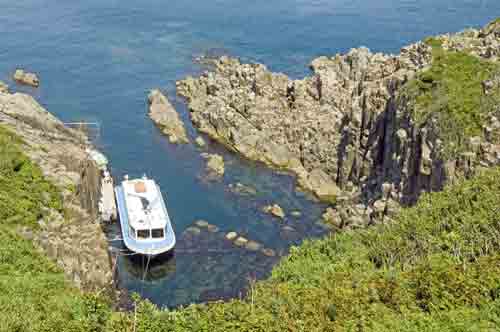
point(33, 293)
point(451, 92)
point(24, 193)
point(437, 268)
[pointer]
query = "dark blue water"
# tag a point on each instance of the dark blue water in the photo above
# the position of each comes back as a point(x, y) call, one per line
point(98, 59)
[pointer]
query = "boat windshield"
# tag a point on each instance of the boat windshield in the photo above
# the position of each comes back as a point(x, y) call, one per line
point(157, 233)
point(143, 234)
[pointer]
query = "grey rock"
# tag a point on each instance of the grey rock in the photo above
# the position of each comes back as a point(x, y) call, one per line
point(165, 116)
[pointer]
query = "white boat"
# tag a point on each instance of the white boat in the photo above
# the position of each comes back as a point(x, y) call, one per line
point(145, 223)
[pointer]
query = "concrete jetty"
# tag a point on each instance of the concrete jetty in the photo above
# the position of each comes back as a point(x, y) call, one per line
point(107, 203)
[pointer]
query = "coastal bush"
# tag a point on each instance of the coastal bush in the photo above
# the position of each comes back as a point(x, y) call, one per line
point(451, 92)
point(34, 296)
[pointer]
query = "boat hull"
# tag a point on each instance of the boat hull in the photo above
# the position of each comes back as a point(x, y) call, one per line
point(151, 248)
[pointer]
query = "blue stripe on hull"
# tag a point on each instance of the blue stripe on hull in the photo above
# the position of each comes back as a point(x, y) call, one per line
point(149, 247)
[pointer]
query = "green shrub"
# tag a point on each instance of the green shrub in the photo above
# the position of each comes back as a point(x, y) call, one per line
point(451, 92)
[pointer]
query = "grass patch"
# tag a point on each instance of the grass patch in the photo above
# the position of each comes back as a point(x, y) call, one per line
point(451, 92)
point(33, 293)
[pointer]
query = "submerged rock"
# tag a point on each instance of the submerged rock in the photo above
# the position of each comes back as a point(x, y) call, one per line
point(212, 228)
point(253, 246)
point(275, 210)
point(22, 77)
point(241, 241)
point(241, 189)
point(193, 230)
point(201, 223)
point(268, 252)
point(166, 117)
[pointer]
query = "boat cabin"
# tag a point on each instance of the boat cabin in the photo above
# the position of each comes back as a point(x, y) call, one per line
point(146, 226)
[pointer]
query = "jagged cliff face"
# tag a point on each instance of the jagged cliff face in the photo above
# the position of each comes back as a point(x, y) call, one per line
point(73, 238)
point(348, 125)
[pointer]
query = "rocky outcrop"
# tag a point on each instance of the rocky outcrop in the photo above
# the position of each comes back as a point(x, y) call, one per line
point(346, 131)
point(73, 237)
point(165, 116)
point(26, 78)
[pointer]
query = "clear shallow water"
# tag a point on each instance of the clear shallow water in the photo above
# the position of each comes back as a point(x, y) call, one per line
point(98, 59)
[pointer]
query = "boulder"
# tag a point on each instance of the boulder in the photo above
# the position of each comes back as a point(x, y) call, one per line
point(215, 165)
point(166, 117)
point(321, 184)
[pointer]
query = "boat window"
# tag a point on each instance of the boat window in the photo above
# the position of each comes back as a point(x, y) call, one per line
point(158, 233)
point(143, 234)
point(132, 232)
